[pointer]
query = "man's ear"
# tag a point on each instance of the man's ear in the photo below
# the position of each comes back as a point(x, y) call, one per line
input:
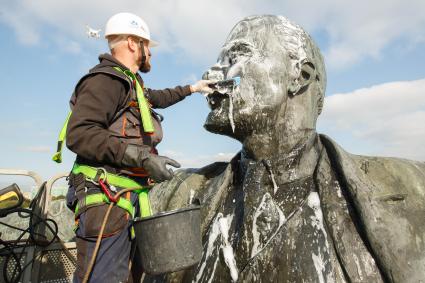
point(307, 75)
point(132, 45)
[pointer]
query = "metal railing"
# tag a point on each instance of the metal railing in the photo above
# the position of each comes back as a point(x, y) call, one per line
point(55, 263)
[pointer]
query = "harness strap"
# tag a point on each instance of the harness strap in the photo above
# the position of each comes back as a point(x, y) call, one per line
point(145, 111)
point(144, 204)
point(100, 198)
point(58, 155)
point(144, 108)
point(92, 173)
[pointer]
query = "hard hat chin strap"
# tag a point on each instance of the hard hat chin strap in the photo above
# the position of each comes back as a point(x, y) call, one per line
point(142, 65)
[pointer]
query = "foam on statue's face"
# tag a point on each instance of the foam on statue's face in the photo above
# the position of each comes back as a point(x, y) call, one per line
point(262, 70)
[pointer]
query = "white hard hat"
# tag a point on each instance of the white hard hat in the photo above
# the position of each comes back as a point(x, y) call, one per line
point(128, 23)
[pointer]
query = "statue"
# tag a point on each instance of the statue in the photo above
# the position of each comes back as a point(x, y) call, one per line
point(293, 206)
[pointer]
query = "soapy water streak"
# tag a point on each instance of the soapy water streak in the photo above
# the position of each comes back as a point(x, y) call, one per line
point(232, 122)
point(220, 230)
point(228, 254)
point(255, 232)
point(282, 221)
point(236, 83)
point(227, 87)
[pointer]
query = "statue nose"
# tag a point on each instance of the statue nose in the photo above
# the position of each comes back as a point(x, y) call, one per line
point(216, 72)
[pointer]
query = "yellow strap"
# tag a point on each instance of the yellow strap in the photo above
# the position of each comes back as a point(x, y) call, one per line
point(145, 207)
point(118, 181)
point(102, 198)
point(57, 157)
point(145, 111)
point(112, 179)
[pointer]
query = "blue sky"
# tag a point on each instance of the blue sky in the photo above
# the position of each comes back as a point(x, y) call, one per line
point(374, 54)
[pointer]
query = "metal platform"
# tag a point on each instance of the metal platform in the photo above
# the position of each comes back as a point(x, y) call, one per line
point(55, 263)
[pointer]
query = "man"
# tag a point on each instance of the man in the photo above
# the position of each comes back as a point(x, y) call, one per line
point(114, 132)
point(293, 206)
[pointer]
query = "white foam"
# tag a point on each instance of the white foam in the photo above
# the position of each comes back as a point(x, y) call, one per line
point(214, 233)
point(214, 267)
point(232, 122)
point(255, 231)
point(229, 257)
point(313, 201)
point(319, 266)
point(220, 227)
point(192, 194)
point(275, 186)
point(338, 189)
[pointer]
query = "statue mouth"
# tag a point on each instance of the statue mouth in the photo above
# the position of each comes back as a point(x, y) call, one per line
point(215, 99)
point(222, 90)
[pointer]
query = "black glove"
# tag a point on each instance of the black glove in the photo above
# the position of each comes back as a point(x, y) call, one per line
point(155, 165)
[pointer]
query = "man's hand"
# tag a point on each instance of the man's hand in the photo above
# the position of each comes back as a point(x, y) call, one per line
point(203, 86)
point(155, 165)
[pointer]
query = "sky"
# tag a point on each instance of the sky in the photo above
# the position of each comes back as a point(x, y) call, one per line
point(374, 55)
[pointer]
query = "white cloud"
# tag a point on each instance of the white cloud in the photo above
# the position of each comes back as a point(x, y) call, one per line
point(361, 29)
point(68, 46)
point(22, 21)
point(389, 118)
point(38, 149)
point(190, 161)
point(356, 29)
point(190, 79)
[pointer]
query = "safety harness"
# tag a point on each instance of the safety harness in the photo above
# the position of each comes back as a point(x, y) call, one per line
point(108, 181)
point(144, 108)
point(99, 176)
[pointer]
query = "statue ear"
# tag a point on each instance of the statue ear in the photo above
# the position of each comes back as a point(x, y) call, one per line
point(307, 75)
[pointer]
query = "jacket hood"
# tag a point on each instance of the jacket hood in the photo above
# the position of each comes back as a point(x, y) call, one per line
point(106, 60)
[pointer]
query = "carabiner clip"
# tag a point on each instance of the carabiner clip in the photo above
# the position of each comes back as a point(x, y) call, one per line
point(105, 188)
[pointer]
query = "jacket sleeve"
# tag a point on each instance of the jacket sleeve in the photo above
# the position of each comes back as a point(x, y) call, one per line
point(98, 99)
point(167, 97)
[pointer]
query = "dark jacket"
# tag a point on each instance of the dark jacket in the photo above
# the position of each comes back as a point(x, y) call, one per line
point(97, 131)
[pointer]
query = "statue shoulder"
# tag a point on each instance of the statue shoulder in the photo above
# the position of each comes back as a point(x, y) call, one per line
point(388, 195)
point(185, 187)
point(388, 174)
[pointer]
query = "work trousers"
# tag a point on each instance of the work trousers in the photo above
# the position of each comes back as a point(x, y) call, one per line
point(112, 261)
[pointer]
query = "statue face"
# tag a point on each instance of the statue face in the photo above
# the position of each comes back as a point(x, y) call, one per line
point(254, 54)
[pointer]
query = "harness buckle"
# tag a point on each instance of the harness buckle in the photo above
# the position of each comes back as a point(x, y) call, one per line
point(101, 174)
point(101, 171)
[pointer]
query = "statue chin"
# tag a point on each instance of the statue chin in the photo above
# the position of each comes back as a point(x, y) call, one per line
point(218, 124)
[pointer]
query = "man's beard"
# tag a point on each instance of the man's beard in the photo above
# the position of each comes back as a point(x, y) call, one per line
point(145, 67)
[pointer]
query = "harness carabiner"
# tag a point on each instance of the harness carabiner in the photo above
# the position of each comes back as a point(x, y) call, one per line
point(105, 189)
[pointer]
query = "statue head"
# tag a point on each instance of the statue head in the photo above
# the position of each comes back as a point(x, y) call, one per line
point(282, 81)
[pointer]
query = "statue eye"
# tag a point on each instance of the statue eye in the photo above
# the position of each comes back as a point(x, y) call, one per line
point(229, 60)
point(236, 53)
point(233, 58)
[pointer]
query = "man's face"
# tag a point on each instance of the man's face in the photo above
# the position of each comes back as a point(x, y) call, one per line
point(260, 62)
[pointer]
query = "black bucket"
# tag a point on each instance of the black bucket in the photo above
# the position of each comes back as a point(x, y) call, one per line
point(169, 241)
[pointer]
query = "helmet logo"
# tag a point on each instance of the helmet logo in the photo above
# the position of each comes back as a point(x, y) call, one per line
point(134, 23)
